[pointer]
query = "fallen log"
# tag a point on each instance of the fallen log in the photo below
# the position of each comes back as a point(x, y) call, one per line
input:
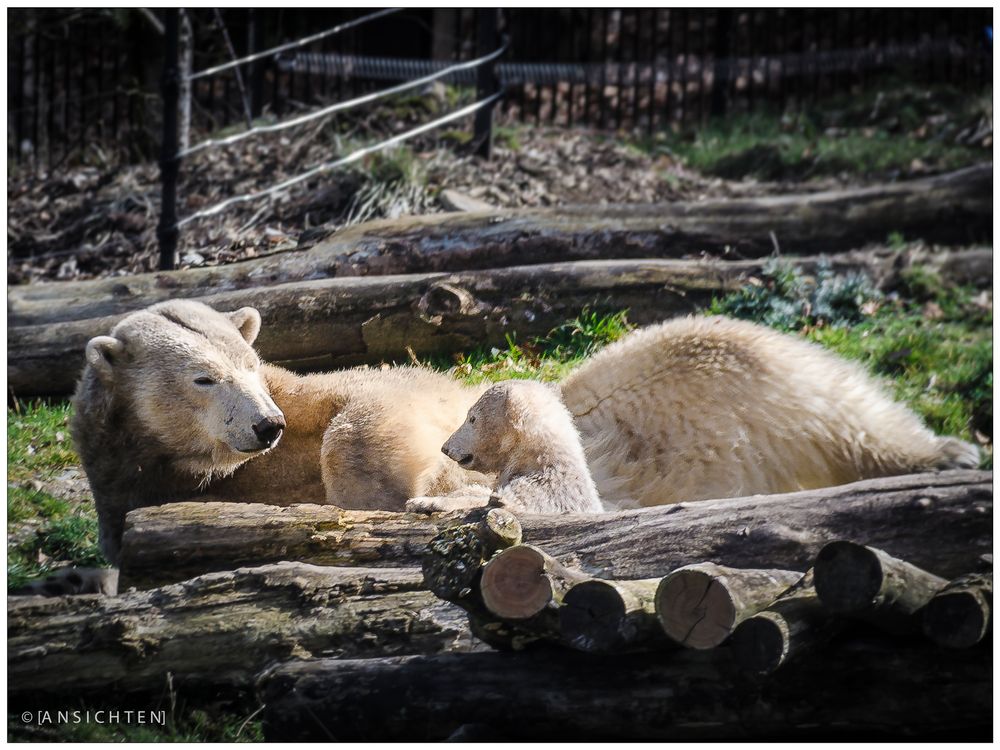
point(949, 208)
point(324, 324)
point(961, 614)
point(863, 582)
point(863, 689)
point(793, 624)
point(329, 323)
point(897, 514)
point(700, 605)
point(602, 617)
point(219, 630)
point(522, 581)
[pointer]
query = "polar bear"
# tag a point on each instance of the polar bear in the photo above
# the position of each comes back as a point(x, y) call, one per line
point(521, 431)
point(712, 407)
point(691, 409)
point(175, 404)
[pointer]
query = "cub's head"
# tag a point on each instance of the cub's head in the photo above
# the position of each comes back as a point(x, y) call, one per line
point(509, 417)
point(191, 382)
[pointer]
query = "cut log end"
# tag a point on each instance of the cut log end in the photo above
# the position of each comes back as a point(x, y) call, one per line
point(848, 577)
point(958, 619)
point(592, 617)
point(514, 585)
point(761, 644)
point(501, 529)
point(695, 609)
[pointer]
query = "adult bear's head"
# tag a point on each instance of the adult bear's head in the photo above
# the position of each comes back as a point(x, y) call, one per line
point(186, 379)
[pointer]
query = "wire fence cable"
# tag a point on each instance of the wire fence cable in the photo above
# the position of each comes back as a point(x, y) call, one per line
point(349, 159)
point(292, 45)
point(341, 106)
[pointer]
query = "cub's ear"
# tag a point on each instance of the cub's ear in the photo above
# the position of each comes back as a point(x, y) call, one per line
point(247, 320)
point(103, 353)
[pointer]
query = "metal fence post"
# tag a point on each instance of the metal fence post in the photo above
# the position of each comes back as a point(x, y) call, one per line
point(166, 230)
point(487, 82)
point(256, 82)
point(723, 48)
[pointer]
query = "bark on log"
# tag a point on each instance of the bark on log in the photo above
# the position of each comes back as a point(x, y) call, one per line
point(860, 690)
point(522, 581)
point(898, 514)
point(950, 208)
point(700, 605)
point(793, 624)
point(961, 614)
point(604, 617)
point(219, 630)
point(864, 582)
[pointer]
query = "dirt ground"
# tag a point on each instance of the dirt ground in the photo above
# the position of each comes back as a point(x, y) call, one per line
point(92, 222)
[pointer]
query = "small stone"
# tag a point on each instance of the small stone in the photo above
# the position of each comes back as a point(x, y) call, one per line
point(193, 259)
point(452, 200)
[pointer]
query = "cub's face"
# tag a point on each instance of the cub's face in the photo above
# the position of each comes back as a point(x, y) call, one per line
point(193, 382)
point(481, 441)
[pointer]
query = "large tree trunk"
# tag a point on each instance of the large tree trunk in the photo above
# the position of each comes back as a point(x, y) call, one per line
point(319, 325)
point(221, 629)
point(942, 522)
point(867, 689)
point(950, 208)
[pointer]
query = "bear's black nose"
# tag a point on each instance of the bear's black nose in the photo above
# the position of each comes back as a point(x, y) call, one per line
point(268, 430)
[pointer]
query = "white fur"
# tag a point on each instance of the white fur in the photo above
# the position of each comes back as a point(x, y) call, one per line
point(700, 408)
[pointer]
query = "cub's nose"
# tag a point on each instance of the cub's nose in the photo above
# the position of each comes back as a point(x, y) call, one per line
point(268, 430)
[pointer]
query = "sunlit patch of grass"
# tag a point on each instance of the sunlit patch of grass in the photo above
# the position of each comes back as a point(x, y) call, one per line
point(39, 449)
point(549, 358)
point(38, 442)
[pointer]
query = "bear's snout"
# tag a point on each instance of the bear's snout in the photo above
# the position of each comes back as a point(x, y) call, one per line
point(268, 430)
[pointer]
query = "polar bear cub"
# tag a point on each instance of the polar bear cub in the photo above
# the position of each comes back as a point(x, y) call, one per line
point(522, 431)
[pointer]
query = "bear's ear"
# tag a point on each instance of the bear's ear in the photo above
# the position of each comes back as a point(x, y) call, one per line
point(247, 320)
point(103, 352)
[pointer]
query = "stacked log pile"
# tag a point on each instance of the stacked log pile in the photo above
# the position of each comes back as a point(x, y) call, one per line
point(692, 655)
point(446, 283)
point(656, 623)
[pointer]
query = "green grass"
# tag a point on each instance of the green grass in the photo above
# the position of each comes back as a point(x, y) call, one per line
point(39, 449)
point(886, 129)
point(38, 443)
point(547, 358)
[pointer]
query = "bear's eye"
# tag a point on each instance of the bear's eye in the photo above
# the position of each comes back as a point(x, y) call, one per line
point(472, 419)
point(204, 380)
